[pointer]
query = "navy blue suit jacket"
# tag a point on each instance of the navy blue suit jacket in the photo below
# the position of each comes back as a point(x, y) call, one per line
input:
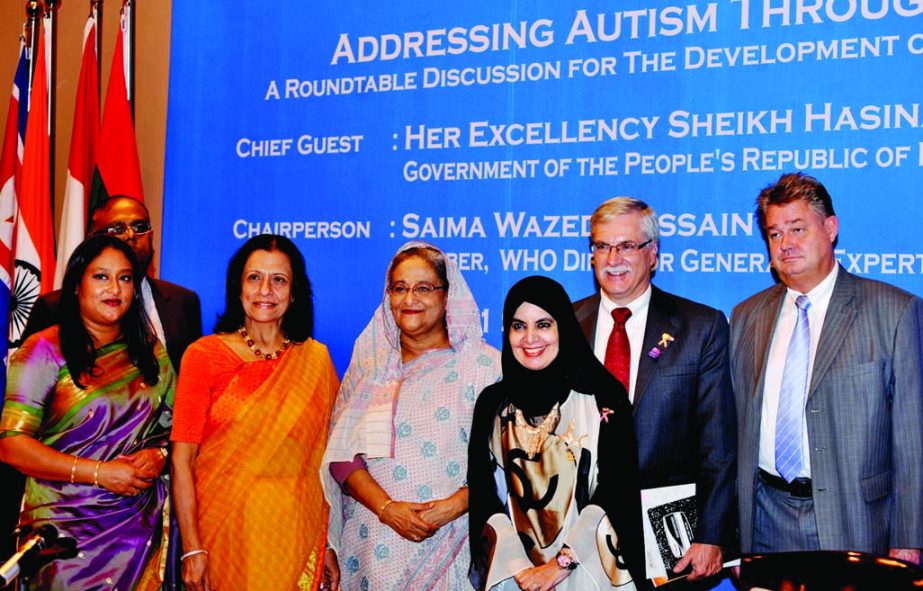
point(684, 412)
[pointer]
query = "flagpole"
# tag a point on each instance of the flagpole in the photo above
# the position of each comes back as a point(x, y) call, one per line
point(33, 14)
point(98, 5)
point(34, 11)
point(130, 70)
point(51, 13)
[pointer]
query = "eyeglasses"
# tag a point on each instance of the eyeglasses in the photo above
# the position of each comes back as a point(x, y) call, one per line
point(421, 290)
point(623, 248)
point(119, 229)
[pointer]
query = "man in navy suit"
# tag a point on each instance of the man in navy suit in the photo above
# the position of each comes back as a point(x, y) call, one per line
point(674, 356)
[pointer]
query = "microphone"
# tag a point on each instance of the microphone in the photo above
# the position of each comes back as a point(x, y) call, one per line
point(28, 550)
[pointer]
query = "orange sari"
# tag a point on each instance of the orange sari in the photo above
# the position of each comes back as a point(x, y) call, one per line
point(261, 510)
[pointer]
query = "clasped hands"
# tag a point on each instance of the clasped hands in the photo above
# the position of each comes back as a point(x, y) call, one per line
point(418, 521)
point(130, 474)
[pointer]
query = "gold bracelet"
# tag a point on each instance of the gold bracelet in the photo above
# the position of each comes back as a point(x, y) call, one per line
point(383, 507)
point(96, 474)
point(74, 469)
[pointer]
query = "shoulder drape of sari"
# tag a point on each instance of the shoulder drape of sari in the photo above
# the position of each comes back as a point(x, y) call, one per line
point(116, 414)
point(261, 511)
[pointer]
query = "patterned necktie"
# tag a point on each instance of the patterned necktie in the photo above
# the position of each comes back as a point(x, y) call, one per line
point(618, 349)
point(790, 418)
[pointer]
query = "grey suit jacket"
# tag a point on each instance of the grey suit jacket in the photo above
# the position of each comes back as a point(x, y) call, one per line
point(684, 408)
point(864, 413)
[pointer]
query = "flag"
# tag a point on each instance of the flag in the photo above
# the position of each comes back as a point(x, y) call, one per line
point(10, 166)
point(33, 272)
point(80, 163)
point(117, 164)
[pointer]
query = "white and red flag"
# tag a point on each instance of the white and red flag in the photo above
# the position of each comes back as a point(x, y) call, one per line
point(82, 158)
point(117, 152)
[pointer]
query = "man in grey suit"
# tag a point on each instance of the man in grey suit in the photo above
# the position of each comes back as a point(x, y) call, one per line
point(828, 376)
point(674, 353)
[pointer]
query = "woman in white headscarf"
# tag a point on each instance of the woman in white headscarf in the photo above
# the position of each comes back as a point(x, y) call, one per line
point(395, 465)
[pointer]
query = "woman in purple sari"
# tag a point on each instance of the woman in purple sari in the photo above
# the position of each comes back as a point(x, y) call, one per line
point(86, 417)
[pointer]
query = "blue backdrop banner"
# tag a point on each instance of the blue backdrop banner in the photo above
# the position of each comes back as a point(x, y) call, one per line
point(493, 129)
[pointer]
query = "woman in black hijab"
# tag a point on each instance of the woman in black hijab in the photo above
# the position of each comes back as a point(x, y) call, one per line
point(552, 455)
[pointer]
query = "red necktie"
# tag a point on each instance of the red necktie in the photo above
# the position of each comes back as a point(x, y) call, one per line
point(618, 349)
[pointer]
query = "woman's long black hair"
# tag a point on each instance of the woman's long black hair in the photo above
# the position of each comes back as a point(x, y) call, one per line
point(76, 343)
point(298, 322)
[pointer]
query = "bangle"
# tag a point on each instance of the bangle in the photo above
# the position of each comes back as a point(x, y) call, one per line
point(163, 451)
point(96, 474)
point(383, 507)
point(193, 553)
point(74, 469)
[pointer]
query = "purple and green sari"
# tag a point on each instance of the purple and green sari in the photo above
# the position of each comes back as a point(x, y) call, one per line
point(115, 414)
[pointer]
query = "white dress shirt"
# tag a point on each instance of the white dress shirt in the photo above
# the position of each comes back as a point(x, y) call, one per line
point(148, 298)
point(775, 365)
point(634, 327)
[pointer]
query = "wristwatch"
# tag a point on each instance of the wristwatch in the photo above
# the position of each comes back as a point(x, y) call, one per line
point(565, 560)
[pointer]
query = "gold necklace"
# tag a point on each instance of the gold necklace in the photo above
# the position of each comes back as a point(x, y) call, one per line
point(259, 354)
point(534, 437)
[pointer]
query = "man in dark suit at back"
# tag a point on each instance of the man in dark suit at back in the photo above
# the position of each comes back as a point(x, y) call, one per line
point(174, 311)
point(828, 374)
point(672, 356)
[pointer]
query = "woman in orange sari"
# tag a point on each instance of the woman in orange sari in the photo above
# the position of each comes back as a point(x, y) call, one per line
point(251, 417)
